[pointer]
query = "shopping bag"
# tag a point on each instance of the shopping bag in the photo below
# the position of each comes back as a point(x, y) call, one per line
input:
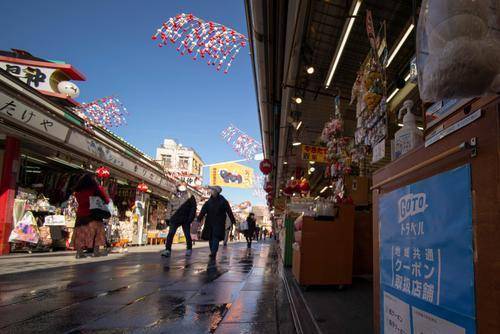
point(25, 230)
point(205, 233)
point(98, 209)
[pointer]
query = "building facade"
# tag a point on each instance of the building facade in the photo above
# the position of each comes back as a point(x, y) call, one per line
point(179, 159)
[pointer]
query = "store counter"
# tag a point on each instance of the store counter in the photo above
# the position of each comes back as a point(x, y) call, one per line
point(325, 254)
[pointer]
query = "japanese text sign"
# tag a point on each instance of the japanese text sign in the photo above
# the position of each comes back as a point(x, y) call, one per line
point(314, 153)
point(231, 175)
point(426, 260)
point(34, 76)
point(31, 118)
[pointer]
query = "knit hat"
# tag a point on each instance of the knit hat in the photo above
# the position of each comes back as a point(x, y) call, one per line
point(216, 188)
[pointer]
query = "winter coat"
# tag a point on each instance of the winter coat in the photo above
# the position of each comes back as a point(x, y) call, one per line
point(251, 228)
point(184, 213)
point(215, 209)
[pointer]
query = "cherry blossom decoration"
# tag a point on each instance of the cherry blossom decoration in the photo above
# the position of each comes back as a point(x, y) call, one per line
point(214, 42)
point(243, 144)
point(105, 112)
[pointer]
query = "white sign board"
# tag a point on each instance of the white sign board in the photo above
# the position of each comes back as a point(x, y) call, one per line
point(14, 110)
point(426, 323)
point(34, 76)
point(396, 315)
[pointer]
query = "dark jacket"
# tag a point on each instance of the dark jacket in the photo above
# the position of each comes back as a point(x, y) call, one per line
point(216, 209)
point(251, 228)
point(185, 213)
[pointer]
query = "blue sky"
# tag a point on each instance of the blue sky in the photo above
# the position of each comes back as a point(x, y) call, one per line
point(167, 95)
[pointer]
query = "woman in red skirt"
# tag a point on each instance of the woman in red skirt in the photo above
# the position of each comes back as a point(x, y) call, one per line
point(89, 230)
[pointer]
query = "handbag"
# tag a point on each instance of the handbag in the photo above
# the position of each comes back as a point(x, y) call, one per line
point(244, 225)
point(98, 209)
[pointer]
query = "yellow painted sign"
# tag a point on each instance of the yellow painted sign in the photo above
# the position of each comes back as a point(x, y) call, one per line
point(231, 175)
point(314, 153)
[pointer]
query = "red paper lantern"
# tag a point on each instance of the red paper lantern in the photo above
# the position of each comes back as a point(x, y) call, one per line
point(268, 187)
point(142, 187)
point(266, 166)
point(269, 198)
point(103, 172)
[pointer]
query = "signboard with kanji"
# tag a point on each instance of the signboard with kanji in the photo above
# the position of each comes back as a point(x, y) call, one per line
point(426, 260)
point(314, 153)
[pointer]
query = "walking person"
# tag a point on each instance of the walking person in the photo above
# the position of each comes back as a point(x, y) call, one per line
point(216, 209)
point(183, 209)
point(251, 228)
point(89, 228)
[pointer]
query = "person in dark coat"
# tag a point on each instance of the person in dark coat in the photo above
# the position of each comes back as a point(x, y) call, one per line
point(250, 232)
point(215, 210)
point(183, 209)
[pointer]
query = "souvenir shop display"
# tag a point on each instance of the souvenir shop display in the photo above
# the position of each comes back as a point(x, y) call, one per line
point(457, 40)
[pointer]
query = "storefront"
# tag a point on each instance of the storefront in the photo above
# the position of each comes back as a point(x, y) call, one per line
point(45, 148)
point(373, 138)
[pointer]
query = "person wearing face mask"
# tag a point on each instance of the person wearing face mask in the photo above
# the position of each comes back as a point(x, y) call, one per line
point(183, 209)
point(215, 209)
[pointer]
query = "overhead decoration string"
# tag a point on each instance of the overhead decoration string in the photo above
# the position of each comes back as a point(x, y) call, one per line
point(214, 42)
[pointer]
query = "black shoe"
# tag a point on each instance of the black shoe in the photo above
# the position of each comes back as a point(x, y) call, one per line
point(213, 255)
point(80, 255)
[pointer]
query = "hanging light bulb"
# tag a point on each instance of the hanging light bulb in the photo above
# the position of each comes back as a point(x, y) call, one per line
point(298, 100)
point(310, 70)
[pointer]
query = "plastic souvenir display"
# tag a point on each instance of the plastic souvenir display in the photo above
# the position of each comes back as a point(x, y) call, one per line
point(458, 48)
point(217, 44)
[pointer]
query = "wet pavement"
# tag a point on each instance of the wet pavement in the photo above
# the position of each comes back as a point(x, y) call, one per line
point(240, 292)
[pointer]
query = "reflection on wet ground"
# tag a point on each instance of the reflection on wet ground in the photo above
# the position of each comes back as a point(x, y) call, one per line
point(240, 292)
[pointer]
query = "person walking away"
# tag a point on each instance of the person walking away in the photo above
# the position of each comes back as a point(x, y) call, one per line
point(183, 209)
point(250, 231)
point(227, 232)
point(257, 233)
point(215, 209)
point(265, 233)
point(89, 228)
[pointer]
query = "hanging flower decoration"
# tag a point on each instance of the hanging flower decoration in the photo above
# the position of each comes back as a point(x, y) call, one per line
point(103, 172)
point(211, 41)
point(266, 166)
point(246, 146)
point(258, 182)
point(142, 187)
point(106, 112)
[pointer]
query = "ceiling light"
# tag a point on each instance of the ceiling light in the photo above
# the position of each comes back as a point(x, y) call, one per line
point(312, 162)
point(400, 125)
point(298, 100)
point(331, 187)
point(392, 94)
point(345, 37)
point(310, 70)
point(407, 77)
point(298, 125)
point(296, 143)
point(400, 44)
point(323, 190)
point(316, 198)
point(285, 163)
point(312, 169)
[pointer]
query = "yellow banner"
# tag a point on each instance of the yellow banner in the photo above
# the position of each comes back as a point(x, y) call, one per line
point(231, 175)
point(314, 153)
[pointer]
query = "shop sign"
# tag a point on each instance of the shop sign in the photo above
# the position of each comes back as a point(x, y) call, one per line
point(27, 116)
point(96, 149)
point(378, 151)
point(314, 153)
point(452, 128)
point(426, 256)
point(34, 76)
point(439, 110)
point(231, 175)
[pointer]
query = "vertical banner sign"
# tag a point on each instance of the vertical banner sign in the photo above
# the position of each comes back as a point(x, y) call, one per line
point(231, 175)
point(426, 256)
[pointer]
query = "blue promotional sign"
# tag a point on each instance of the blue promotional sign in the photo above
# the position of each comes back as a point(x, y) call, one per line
point(426, 256)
